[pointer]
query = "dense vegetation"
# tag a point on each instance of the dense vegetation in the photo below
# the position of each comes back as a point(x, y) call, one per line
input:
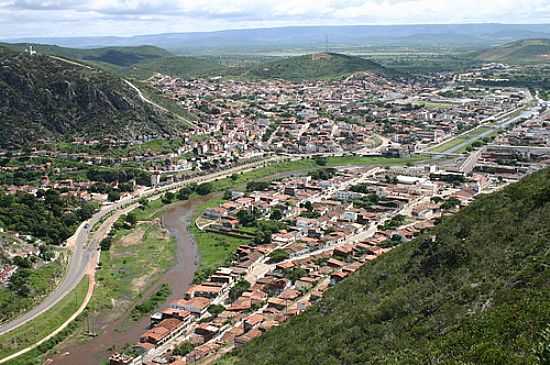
point(27, 287)
point(50, 216)
point(317, 66)
point(179, 66)
point(113, 56)
point(43, 99)
point(473, 291)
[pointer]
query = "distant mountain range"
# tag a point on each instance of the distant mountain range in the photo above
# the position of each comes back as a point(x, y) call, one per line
point(314, 38)
point(527, 51)
point(45, 99)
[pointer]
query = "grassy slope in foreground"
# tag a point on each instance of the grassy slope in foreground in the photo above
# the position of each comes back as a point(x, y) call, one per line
point(42, 326)
point(478, 294)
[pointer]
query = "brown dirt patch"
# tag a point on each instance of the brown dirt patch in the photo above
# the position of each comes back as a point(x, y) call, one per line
point(133, 238)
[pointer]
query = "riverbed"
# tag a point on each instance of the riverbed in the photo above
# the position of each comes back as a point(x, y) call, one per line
point(115, 335)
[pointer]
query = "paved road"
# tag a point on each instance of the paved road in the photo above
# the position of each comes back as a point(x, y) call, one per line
point(501, 125)
point(79, 260)
point(148, 101)
point(83, 252)
point(140, 94)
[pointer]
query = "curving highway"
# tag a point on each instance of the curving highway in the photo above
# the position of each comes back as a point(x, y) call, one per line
point(76, 269)
point(84, 250)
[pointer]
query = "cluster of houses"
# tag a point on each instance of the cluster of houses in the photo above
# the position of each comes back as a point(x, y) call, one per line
point(329, 116)
point(14, 245)
point(331, 229)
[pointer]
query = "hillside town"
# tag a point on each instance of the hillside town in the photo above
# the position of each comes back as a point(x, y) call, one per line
point(307, 233)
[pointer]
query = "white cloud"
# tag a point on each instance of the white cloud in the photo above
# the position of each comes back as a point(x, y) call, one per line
point(45, 17)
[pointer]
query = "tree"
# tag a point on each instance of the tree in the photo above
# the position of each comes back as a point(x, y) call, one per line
point(131, 219)
point(143, 203)
point(295, 274)
point(278, 255)
point(106, 243)
point(113, 196)
point(321, 160)
point(168, 197)
point(216, 309)
point(184, 193)
point(183, 349)
point(22, 262)
point(238, 289)
point(246, 218)
point(262, 237)
point(276, 215)
point(234, 177)
point(450, 204)
point(204, 189)
point(126, 187)
point(257, 186)
point(227, 195)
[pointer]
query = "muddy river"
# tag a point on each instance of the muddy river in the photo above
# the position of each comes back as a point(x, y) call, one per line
point(116, 334)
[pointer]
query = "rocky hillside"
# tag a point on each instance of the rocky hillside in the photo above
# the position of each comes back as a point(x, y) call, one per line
point(473, 291)
point(45, 99)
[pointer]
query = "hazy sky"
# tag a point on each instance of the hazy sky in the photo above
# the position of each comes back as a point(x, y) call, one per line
point(130, 17)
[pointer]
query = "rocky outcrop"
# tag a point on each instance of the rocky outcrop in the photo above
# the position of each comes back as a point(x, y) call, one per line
point(42, 98)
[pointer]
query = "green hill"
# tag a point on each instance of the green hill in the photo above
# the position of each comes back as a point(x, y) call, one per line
point(177, 66)
point(316, 66)
point(474, 291)
point(114, 56)
point(521, 52)
point(44, 99)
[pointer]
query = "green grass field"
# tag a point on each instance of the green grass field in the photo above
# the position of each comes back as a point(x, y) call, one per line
point(42, 326)
point(460, 140)
point(136, 259)
point(215, 249)
point(306, 165)
point(434, 106)
point(150, 212)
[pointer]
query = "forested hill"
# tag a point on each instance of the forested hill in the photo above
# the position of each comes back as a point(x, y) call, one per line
point(521, 52)
point(316, 66)
point(478, 293)
point(43, 99)
point(114, 56)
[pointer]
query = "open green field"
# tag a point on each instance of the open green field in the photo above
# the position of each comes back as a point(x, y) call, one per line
point(309, 164)
point(136, 259)
point(460, 140)
point(42, 326)
point(434, 106)
point(215, 249)
point(151, 211)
